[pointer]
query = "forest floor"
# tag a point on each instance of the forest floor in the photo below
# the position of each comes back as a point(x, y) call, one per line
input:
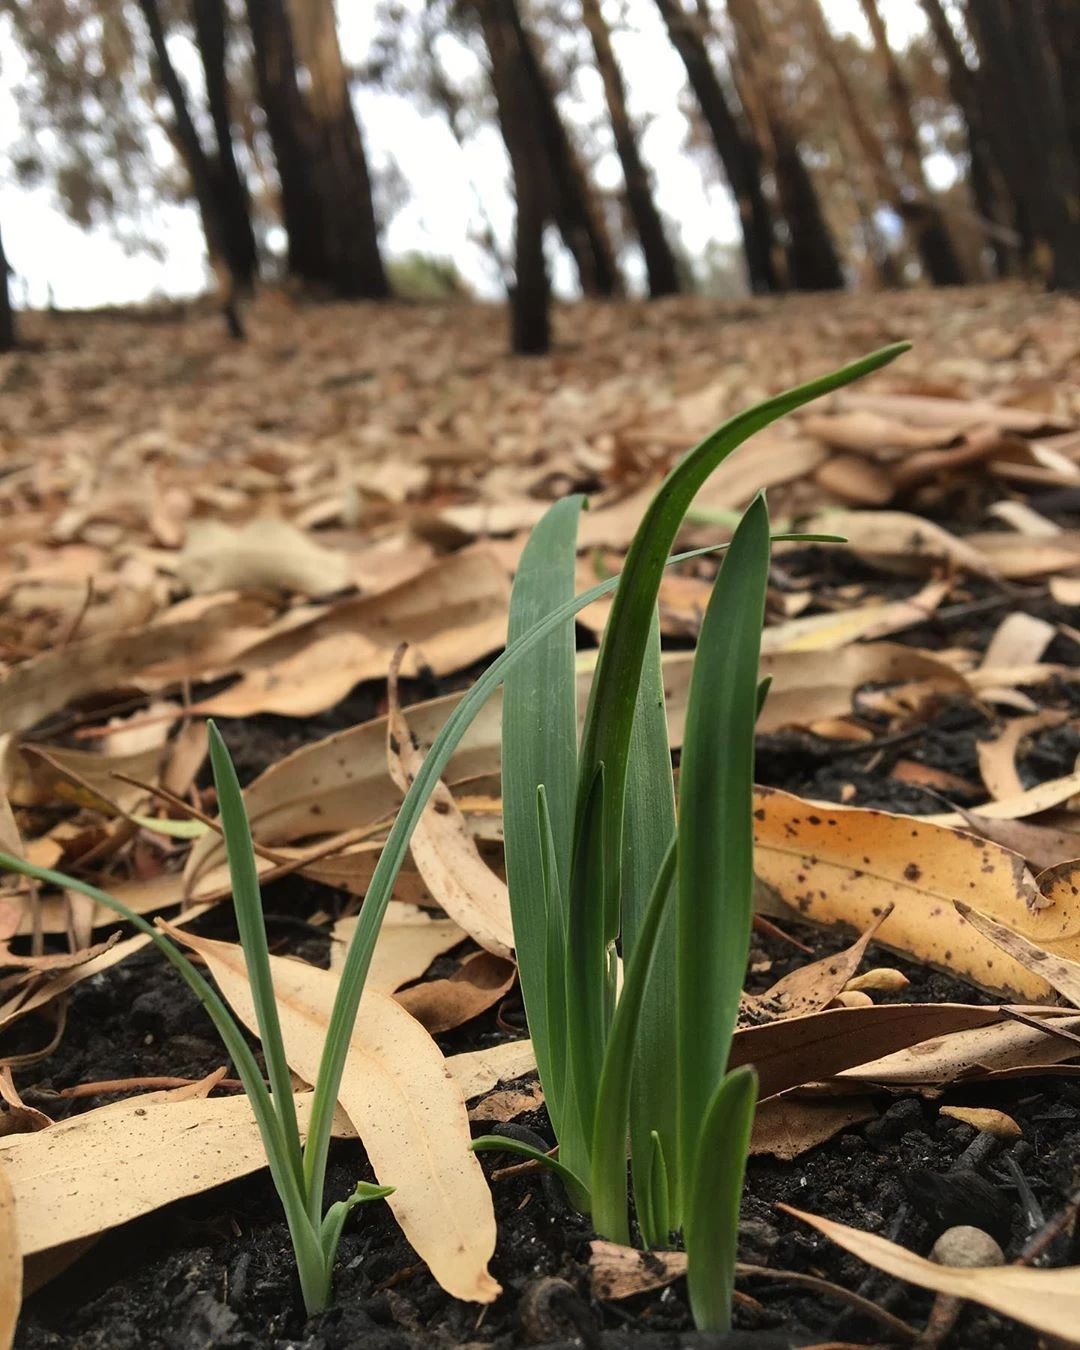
point(198, 528)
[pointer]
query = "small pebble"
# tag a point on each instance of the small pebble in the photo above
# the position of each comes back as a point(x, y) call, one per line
point(966, 1246)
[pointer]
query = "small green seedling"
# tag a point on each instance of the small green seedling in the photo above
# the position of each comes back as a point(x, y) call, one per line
point(597, 855)
point(586, 1045)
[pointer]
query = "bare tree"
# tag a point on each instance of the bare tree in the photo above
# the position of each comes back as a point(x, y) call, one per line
point(739, 153)
point(813, 263)
point(7, 316)
point(659, 259)
point(1021, 85)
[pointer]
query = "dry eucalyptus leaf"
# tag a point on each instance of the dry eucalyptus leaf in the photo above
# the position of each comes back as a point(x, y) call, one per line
point(409, 940)
point(1048, 1300)
point(984, 1119)
point(263, 554)
point(406, 1108)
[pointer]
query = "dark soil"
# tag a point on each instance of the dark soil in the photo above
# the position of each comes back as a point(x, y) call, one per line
point(217, 1269)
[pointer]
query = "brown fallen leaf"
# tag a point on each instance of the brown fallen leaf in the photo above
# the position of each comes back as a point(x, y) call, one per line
point(263, 554)
point(1019, 639)
point(813, 987)
point(1030, 802)
point(451, 614)
point(1060, 973)
point(827, 632)
point(478, 983)
point(785, 1127)
point(409, 940)
point(479, 1071)
point(444, 851)
point(508, 1103)
point(898, 540)
point(10, 1264)
point(1042, 846)
point(50, 682)
point(997, 757)
point(970, 1054)
point(984, 1119)
point(1048, 1300)
point(845, 865)
point(798, 1050)
point(128, 1158)
point(408, 1111)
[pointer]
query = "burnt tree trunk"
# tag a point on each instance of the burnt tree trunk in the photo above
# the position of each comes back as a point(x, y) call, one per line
point(530, 291)
point(238, 238)
point(199, 167)
point(7, 314)
point(987, 184)
point(919, 204)
point(1020, 82)
point(571, 200)
point(739, 153)
point(338, 164)
point(286, 116)
point(813, 263)
point(659, 259)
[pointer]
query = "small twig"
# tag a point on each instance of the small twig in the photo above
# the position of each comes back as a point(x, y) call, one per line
point(1051, 1028)
point(109, 1086)
point(900, 1329)
point(77, 622)
point(1038, 1242)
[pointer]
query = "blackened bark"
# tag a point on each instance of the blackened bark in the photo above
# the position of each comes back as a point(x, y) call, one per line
point(920, 207)
point(987, 183)
point(339, 165)
point(813, 262)
point(229, 186)
point(738, 152)
point(1020, 80)
point(572, 202)
point(7, 315)
point(199, 168)
point(518, 122)
point(659, 259)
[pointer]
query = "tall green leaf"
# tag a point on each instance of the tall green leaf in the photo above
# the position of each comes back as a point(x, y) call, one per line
point(650, 829)
point(711, 1230)
point(539, 749)
point(716, 837)
point(610, 713)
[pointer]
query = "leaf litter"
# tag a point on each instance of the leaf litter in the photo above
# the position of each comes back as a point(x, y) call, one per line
point(249, 566)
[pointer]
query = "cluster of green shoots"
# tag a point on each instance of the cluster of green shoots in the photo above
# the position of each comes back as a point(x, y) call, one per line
point(597, 858)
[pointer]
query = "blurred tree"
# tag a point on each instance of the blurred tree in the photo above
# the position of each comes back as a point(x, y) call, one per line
point(7, 317)
point(813, 263)
point(988, 186)
point(208, 183)
point(917, 201)
point(1020, 80)
point(659, 259)
point(739, 153)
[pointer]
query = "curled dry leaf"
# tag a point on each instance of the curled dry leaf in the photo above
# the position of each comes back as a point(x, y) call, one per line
point(409, 940)
point(1060, 973)
point(263, 554)
point(844, 865)
point(408, 1111)
point(785, 1127)
point(444, 851)
point(451, 614)
point(10, 1264)
point(478, 1071)
point(1043, 797)
point(508, 1103)
point(985, 1119)
point(1048, 1300)
point(478, 983)
point(997, 757)
point(1042, 846)
point(129, 1158)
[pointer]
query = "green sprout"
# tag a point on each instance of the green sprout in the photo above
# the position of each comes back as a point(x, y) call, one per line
point(591, 1052)
point(597, 855)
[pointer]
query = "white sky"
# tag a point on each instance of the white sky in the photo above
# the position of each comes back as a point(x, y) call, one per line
point(53, 259)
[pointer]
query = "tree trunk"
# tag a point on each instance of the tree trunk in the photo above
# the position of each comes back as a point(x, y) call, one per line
point(920, 207)
point(518, 121)
point(659, 259)
point(987, 184)
point(7, 315)
point(1020, 82)
point(199, 169)
point(572, 203)
point(286, 116)
point(338, 162)
point(813, 264)
point(739, 153)
point(230, 189)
